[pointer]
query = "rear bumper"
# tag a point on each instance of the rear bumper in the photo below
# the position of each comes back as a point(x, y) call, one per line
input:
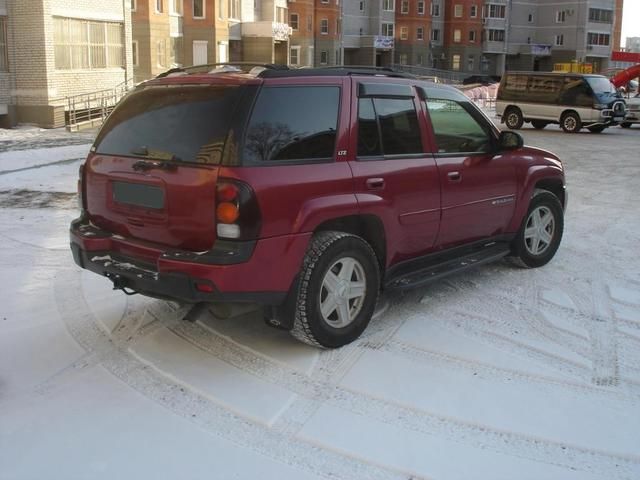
point(264, 278)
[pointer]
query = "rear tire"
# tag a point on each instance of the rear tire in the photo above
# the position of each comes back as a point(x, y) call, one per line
point(513, 118)
point(539, 124)
point(570, 122)
point(337, 291)
point(540, 233)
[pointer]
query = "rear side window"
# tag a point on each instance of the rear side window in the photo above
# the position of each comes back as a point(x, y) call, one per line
point(293, 124)
point(576, 92)
point(176, 123)
point(457, 127)
point(388, 126)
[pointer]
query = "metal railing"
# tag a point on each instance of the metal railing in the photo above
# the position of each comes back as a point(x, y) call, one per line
point(94, 107)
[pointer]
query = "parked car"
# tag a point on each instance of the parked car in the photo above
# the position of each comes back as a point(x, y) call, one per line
point(633, 111)
point(309, 192)
point(570, 99)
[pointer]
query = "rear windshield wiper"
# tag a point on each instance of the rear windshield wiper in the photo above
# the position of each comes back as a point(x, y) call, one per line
point(161, 159)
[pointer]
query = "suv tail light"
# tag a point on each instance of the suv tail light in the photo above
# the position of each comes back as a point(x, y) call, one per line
point(237, 211)
point(81, 187)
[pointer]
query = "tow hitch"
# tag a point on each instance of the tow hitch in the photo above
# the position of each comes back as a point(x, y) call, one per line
point(119, 283)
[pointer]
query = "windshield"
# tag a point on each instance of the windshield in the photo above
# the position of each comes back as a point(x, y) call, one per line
point(601, 85)
point(184, 123)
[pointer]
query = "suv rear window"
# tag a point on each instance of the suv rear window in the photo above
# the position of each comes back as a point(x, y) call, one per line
point(182, 123)
point(293, 124)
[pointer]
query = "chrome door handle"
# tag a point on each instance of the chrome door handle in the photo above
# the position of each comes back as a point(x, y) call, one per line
point(454, 176)
point(375, 183)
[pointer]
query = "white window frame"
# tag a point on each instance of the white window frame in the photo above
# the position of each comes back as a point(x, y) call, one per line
point(387, 29)
point(458, 10)
point(4, 49)
point(420, 34)
point(204, 9)
point(472, 36)
point(324, 26)
point(561, 16)
point(455, 63)
point(473, 11)
point(234, 5)
point(324, 53)
point(421, 8)
point(404, 33)
point(161, 4)
point(388, 5)
point(457, 35)
point(297, 49)
point(559, 40)
point(297, 27)
point(175, 7)
point(470, 63)
point(134, 5)
point(404, 7)
point(435, 9)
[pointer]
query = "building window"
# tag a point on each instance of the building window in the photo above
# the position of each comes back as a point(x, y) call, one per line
point(405, 7)
point(4, 54)
point(294, 56)
point(435, 9)
point(457, 11)
point(293, 21)
point(421, 7)
point(161, 53)
point(457, 35)
point(134, 53)
point(404, 33)
point(600, 15)
point(484, 64)
point(419, 59)
point(388, 5)
point(561, 16)
point(175, 7)
point(455, 62)
point(470, 63)
point(474, 11)
point(387, 29)
point(134, 5)
point(324, 26)
point(420, 33)
point(497, 11)
point(324, 57)
point(281, 15)
point(472, 36)
point(599, 39)
point(234, 9)
point(83, 44)
point(530, 18)
point(496, 35)
point(362, 6)
point(403, 59)
point(221, 9)
point(559, 40)
point(159, 6)
point(309, 23)
point(435, 35)
point(198, 9)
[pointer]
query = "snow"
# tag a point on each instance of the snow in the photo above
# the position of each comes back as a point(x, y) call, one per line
point(498, 373)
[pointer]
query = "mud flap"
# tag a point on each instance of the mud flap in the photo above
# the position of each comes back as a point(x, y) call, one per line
point(282, 316)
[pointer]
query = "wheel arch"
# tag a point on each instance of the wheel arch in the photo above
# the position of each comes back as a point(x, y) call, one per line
point(369, 227)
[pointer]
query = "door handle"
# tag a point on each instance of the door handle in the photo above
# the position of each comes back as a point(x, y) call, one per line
point(454, 176)
point(375, 183)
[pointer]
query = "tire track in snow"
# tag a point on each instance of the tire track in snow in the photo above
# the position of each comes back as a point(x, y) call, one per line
point(116, 358)
point(482, 436)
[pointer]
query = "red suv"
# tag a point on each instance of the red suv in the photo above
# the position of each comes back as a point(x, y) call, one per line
point(307, 191)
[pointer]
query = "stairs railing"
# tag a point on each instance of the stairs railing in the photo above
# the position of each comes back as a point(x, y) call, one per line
point(93, 108)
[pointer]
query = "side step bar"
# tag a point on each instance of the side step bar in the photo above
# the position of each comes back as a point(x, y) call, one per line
point(436, 270)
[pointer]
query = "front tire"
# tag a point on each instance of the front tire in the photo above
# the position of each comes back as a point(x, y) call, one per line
point(570, 122)
point(541, 231)
point(337, 291)
point(513, 118)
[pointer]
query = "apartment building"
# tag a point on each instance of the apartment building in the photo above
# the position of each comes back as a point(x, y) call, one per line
point(369, 32)
point(51, 49)
point(632, 44)
point(413, 29)
point(302, 21)
point(465, 40)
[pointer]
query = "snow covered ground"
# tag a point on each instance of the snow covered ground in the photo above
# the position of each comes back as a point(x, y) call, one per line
point(500, 373)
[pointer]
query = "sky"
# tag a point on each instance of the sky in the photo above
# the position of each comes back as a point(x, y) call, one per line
point(630, 19)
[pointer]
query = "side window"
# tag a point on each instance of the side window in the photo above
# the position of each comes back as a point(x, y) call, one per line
point(388, 126)
point(576, 92)
point(293, 123)
point(455, 128)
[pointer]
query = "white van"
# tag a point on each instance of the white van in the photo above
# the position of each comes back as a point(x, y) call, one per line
point(572, 100)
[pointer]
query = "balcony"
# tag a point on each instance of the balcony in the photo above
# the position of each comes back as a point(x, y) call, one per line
point(278, 31)
point(368, 41)
point(489, 46)
point(598, 51)
point(175, 26)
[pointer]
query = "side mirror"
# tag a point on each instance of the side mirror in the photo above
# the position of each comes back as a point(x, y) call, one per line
point(509, 140)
